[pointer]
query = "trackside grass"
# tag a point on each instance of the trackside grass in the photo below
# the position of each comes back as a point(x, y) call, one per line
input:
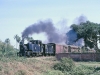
point(13, 65)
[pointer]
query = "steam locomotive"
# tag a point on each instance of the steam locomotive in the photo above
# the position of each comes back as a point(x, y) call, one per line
point(37, 48)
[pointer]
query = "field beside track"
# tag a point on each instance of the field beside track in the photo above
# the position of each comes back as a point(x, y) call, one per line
point(34, 66)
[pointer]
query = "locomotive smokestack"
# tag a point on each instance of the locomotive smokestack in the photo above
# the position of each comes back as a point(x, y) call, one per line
point(47, 27)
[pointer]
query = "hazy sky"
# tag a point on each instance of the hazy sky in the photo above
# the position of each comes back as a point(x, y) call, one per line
point(16, 15)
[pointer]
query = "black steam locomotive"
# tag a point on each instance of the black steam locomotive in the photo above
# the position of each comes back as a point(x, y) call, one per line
point(36, 48)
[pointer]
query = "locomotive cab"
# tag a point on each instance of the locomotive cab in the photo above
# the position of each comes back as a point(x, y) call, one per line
point(22, 50)
point(35, 46)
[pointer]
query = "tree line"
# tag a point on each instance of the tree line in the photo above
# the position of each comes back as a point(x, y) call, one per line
point(90, 32)
point(6, 46)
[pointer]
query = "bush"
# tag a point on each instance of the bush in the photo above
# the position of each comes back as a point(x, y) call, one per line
point(20, 72)
point(53, 73)
point(11, 53)
point(82, 70)
point(66, 64)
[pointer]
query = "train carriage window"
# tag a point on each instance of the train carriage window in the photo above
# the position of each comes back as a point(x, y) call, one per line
point(34, 42)
point(46, 46)
point(52, 46)
point(64, 49)
point(69, 49)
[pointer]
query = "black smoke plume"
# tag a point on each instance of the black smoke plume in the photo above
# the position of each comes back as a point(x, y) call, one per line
point(47, 27)
point(80, 19)
point(72, 35)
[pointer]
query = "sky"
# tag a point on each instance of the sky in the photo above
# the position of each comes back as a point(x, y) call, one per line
point(16, 15)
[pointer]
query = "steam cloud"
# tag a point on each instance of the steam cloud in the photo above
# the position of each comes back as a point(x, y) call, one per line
point(47, 27)
point(53, 35)
point(72, 35)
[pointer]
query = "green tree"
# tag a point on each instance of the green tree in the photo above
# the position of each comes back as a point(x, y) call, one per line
point(6, 49)
point(18, 39)
point(90, 32)
point(2, 47)
point(7, 41)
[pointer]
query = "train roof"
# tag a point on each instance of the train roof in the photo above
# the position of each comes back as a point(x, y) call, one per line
point(73, 46)
point(35, 41)
point(50, 43)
